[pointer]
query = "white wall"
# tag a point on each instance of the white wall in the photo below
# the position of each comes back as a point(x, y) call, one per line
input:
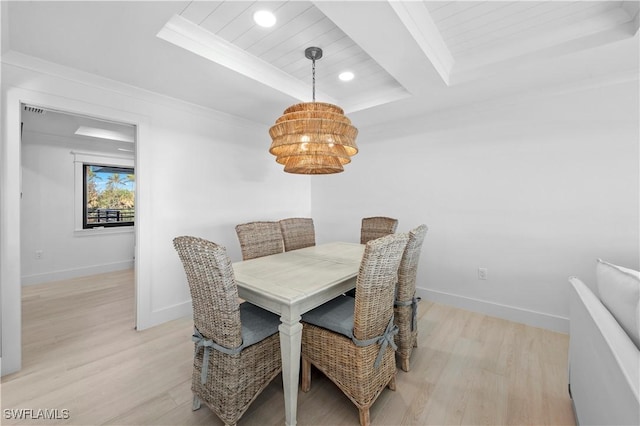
point(207, 176)
point(198, 172)
point(534, 190)
point(48, 210)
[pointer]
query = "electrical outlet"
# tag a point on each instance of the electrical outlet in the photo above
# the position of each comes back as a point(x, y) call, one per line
point(483, 273)
point(39, 254)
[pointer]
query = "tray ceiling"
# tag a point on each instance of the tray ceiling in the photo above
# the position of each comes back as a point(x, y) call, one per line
point(225, 32)
point(412, 59)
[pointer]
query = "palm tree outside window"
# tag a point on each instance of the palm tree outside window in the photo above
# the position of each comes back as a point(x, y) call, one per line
point(108, 196)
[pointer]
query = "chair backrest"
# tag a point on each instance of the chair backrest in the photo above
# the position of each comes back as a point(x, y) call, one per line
point(297, 233)
point(259, 239)
point(376, 284)
point(376, 227)
point(214, 294)
point(408, 269)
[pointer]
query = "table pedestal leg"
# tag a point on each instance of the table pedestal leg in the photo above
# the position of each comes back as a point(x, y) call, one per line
point(290, 342)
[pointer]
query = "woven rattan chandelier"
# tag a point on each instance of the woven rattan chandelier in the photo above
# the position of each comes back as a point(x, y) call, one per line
point(313, 138)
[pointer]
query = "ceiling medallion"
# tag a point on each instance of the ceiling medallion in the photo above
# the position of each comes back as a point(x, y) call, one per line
point(313, 138)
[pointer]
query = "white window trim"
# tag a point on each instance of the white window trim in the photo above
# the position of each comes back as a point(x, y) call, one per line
point(79, 159)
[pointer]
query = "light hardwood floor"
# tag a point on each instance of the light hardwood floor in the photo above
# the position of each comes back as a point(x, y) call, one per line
point(81, 353)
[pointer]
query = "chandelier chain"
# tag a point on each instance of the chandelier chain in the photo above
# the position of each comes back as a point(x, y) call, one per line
point(313, 73)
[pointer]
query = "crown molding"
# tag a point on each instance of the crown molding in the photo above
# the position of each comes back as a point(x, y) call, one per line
point(32, 63)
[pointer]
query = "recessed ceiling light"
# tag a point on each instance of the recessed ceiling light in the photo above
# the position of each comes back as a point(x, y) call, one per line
point(264, 18)
point(346, 76)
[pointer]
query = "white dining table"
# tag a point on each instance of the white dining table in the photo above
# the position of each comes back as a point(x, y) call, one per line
point(290, 284)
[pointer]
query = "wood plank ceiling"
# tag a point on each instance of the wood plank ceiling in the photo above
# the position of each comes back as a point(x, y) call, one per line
point(471, 26)
point(299, 25)
point(464, 40)
point(409, 57)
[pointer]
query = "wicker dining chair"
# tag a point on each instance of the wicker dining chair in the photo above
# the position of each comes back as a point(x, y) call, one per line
point(237, 346)
point(406, 304)
point(297, 233)
point(350, 339)
point(259, 239)
point(376, 227)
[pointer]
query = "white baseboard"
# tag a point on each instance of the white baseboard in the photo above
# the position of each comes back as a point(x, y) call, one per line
point(511, 313)
point(76, 272)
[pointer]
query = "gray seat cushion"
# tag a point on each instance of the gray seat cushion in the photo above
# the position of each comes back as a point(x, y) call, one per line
point(257, 324)
point(335, 315)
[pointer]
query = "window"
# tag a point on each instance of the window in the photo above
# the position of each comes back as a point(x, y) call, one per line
point(108, 196)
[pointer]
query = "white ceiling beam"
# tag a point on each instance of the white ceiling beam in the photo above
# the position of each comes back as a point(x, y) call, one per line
point(190, 36)
point(416, 18)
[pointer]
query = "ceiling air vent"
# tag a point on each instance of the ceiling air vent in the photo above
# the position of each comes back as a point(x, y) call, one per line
point(34, 110)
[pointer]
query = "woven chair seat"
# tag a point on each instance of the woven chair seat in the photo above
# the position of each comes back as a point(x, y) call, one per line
point(237, 346)
point(257, 325)
point(351, 340)
point(337, 316)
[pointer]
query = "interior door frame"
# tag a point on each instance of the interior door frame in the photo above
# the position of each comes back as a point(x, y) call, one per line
point(10, 200)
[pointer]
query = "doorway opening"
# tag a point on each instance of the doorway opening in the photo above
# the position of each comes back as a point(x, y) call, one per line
point(77, 201)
